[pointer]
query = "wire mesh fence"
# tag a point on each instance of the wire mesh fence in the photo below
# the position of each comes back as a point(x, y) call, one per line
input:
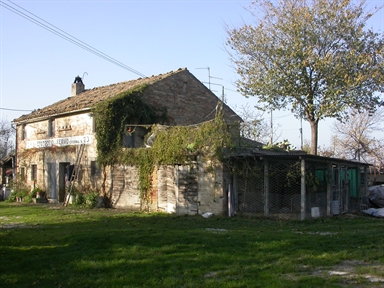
point(274, 188)
point(316, 180)
point(284, 189)
point(250, 187)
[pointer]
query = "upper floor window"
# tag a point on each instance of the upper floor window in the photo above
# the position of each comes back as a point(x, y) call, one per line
point(51, 127)
point(129, 137)
point(93, 124)
point(23, 132)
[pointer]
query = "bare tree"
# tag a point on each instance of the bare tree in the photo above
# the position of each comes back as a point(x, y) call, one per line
point(355, 138)
point(327, 151)
point(7, 138)
point(255, 126)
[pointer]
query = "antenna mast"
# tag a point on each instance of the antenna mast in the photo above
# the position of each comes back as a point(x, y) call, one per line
point(209, 76)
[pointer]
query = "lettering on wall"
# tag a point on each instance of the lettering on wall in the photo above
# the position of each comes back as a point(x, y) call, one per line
point(74, 140)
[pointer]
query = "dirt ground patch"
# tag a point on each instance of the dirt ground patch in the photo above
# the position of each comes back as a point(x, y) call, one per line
point(351, 273)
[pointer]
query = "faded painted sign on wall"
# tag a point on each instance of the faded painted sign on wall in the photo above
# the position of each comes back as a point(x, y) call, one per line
point(74, 140)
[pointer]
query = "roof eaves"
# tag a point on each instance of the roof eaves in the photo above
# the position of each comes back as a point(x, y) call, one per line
point(50, 116)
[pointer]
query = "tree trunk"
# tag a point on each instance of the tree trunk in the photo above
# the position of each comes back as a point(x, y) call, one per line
point(314, 136)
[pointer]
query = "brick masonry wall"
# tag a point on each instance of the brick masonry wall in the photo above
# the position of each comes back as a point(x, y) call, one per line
point(187, 100)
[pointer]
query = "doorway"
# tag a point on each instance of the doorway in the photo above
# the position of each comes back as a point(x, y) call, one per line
point(63, 176)
point(51, 181)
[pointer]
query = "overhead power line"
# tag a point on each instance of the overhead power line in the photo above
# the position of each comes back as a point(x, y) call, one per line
point(66, 36)
point(18, 110)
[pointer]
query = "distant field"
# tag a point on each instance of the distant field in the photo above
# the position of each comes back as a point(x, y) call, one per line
point(45, 245)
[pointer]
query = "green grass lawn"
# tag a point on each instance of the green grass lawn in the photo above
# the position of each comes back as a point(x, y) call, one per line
point(43, 245)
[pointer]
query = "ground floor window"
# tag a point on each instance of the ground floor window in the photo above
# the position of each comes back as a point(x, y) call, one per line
point(94, 168)
point(22, 173)
point(34, 172)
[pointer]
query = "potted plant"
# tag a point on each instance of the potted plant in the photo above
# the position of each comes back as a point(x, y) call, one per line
point(21, 194)
point(38, 195)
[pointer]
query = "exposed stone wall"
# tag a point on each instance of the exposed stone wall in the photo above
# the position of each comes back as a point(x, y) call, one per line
point(186, 99)
point(188, 189)
point(166, 189)
point(184, 189)
point(124, 190)
point(212, 187)
point(69, 126)
point(47, 158)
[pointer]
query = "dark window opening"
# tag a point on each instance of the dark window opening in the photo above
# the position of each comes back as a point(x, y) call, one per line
point(71, 172)
point(51, 127)
point(93, 124)
point(34, 172)
point(22, 173)
point(23, 133)
point(129, 137)
point(94, 168)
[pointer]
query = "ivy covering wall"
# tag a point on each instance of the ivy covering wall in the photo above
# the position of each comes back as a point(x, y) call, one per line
point(112, 115)
point(171, 145)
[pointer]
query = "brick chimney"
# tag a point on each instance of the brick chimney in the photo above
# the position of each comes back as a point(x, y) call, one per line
point(77, 86)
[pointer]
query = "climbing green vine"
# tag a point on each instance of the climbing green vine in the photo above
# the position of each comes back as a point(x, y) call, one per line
point(172, 144)
point(178, 145)
point(112, 115)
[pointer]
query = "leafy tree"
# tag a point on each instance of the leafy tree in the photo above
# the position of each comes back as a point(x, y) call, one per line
point(355, 138)
point(314, 57)
point(7, 141)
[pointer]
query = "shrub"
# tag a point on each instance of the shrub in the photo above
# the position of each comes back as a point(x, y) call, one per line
point(35, 191)
point(12, 197)
point(80, 199)
point(91, 199)
point(22, 193)
point(28, 198)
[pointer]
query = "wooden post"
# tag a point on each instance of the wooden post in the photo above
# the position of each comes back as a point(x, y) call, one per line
point(347, 191)
point(329, 188)
point(231, 211)
point(303, 192)
point(266, 189)
point(235, 191)
point(365, 188)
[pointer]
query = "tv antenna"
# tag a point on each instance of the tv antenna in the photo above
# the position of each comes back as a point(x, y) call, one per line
point(209, 77)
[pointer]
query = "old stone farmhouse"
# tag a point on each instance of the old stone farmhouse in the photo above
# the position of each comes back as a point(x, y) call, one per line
point(104, 139)
point(54, 141)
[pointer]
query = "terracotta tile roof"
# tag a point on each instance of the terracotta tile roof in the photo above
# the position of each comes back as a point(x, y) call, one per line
point(91, 97)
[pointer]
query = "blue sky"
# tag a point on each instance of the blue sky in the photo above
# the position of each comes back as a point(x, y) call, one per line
point(37, 67)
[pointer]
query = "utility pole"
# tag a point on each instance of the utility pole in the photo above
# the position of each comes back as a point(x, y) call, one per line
point(301, 133)
point(301, 130)
point(271, 129)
